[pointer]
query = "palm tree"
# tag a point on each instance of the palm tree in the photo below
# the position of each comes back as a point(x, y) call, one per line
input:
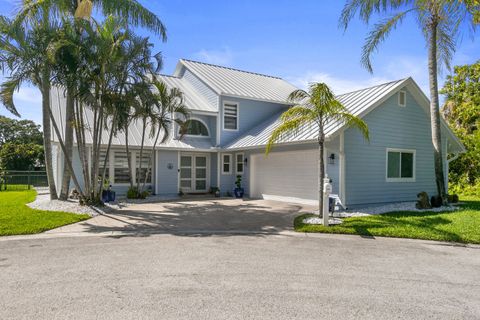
point(169, 110)
point(441, 22)
point(22, 56)
point(317, 107)
point(33, 13)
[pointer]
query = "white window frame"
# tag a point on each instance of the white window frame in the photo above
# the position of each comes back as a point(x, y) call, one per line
point(193, 135)
point(236, 163)
point(400, 179)
point(223, 115)
point(229, 163)
point(404, 100)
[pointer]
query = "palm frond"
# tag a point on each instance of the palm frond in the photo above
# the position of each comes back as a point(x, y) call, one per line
point(298, 96)
point(377, 35)
point(297, 111)
point(7, 90)
point(290, 127)
point(355, 122)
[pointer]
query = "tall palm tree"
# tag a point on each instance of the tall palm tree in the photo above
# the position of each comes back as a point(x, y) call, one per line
point(32, 13)
point(317, 107)
point(22, 56)
point(169, 110)
point(441, 22)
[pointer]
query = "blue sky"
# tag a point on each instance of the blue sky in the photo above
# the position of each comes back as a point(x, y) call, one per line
point(297, 40)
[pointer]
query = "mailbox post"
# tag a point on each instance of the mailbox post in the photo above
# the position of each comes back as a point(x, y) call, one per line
point(327, 189)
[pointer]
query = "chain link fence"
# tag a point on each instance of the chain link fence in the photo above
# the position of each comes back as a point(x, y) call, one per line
point(22, 180)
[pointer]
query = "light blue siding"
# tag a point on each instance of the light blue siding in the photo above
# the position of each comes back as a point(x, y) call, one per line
point(391, 126)
point(166, 178)
point(213, 170)
point(251, 113)
point(200, 86)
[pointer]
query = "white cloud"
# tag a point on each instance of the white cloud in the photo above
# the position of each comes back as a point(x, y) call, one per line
point(396, 68)
point(28, 94)
point(337, 84)
point(223, 56)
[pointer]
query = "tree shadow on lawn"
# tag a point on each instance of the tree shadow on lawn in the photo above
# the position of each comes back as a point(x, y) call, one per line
point(196, 219)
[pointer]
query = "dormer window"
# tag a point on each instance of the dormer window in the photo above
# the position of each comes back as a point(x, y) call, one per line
point(402, 98)
point(194, 127)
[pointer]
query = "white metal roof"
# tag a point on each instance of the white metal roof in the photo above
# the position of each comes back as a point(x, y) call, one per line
point(358, 102)
point(237, 83)
point(134, 130)
point(192, 98)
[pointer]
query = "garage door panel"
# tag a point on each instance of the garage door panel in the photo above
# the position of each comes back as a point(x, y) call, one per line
point(286, 174)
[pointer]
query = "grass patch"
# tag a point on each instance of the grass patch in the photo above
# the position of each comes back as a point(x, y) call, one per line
point(455, 226)
point(17, 218)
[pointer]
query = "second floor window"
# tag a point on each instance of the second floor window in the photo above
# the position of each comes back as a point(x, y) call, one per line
point(194, 127)
point(230, 116)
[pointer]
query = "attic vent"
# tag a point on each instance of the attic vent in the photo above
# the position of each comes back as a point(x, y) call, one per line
point(402, 98)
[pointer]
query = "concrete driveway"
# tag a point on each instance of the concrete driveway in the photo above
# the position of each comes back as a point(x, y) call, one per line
point(202, 216)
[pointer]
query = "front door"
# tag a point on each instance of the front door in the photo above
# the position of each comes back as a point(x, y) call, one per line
point(193, 173)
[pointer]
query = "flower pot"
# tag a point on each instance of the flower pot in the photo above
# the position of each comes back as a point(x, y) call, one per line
point(104, 195)
point(111, 195)
point(238, 192)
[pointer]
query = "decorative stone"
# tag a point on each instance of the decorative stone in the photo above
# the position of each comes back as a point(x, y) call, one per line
point(422, 202)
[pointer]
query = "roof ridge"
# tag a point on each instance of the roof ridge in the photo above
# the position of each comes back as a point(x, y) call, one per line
point(168, 75)
point(371, 87)
point(233, 69)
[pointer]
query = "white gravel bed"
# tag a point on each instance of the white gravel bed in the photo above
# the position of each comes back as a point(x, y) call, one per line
point(367, 211)
point(43, 202)
point(317, 220)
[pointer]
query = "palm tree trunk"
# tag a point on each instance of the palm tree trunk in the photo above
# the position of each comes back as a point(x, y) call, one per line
point(141, 154)
point(129, 161)
point(321, 171)
point(69, 162)
point(150, 161)
point(69, 113)
point(107, 154)
point(435, 111)
point(47, 135)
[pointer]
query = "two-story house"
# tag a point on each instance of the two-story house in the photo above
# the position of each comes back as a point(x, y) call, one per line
point(233, 113)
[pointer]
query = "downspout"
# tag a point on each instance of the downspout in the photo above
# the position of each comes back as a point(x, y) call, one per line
point(342, 169)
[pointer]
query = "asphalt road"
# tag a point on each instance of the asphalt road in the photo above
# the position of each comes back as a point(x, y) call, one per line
point(237, 277)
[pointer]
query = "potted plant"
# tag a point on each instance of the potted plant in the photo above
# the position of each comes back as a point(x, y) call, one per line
point(108, 195)
point(238, 191)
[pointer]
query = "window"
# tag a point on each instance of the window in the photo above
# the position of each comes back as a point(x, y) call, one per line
point(146, 166)
point(230, 116)
point(240, 162)
point(226, 163)
point(194, 127)
point(103, 155)
point(402, 98)
point(121, 174)
point(400, 165)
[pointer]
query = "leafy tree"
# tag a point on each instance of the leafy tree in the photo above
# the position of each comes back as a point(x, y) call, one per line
point(441, 22)
point(317, 107)
point(462, 112)
point(20, 156)
point(20, 131)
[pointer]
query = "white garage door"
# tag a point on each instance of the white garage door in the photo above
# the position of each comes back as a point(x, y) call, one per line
point(285, 176)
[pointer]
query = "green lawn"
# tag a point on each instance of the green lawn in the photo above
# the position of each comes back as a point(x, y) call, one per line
point(456, 226)
point(17, 218)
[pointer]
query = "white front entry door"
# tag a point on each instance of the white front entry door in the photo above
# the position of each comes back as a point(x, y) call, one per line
point(194, 172)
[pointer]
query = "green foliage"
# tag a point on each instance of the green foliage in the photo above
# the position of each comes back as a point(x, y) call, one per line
point(14, 156)
point(19, 131)
point(238, 182)
point(134, 193)
point(457, 226)
point(17, 218)
point(462, 112)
